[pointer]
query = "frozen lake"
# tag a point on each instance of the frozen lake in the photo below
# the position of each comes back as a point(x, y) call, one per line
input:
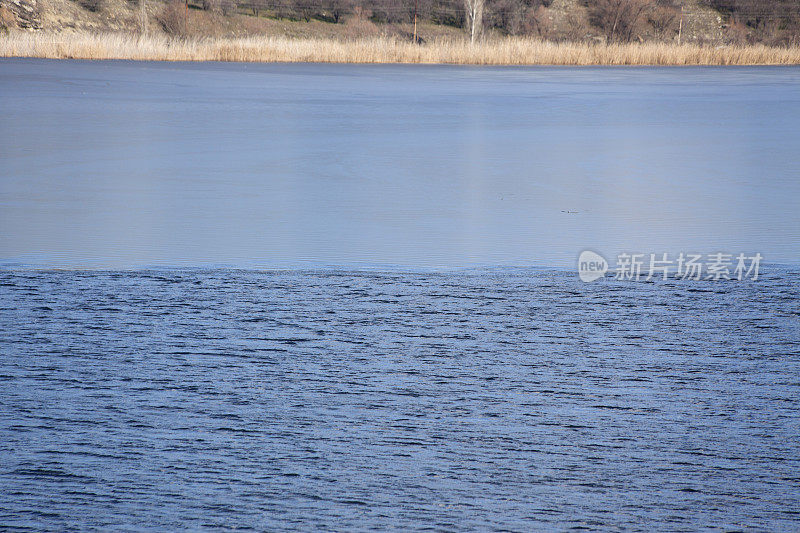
point(122, 164)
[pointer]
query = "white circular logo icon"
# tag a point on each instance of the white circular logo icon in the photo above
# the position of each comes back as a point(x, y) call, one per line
point(591, 266)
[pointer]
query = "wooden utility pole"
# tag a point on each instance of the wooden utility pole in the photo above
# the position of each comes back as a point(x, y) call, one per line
point(415, 20)
point(186, 19)
point(680, 27)
point(143, 16)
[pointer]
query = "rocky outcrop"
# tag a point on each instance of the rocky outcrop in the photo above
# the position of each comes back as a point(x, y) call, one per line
point(701, 24)
point(22, 13)
point(697, 23)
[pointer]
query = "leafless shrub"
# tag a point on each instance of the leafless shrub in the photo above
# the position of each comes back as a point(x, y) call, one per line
point(575, 30)
point(620, 20)
point(506, 15)
point(359, 26)
point(386, 11)
point(93, 5)
point(223, 7)
point(338, 9)
point(538, 22)
point(173, 18)
point(737, 33)
point(306, 9)
point(447, 12)
point(664, 19)
point(773, 22)
point(517, 17)
point(776, 33)
point(361, 13)
point(214, 6)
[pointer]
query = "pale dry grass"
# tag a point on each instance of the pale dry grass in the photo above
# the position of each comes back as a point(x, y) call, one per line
point(507, 51)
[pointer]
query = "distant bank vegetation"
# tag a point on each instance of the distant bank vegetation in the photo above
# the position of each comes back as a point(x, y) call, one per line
point(717, 22)
point(484, 32)
point(772, 22)
point(494, 51)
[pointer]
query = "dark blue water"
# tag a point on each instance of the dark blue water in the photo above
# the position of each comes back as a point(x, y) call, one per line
point(342, 400)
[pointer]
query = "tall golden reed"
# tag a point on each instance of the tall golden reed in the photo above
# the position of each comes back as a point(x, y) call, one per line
point(504, 51)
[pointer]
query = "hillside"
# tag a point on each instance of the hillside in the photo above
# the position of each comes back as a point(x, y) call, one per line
point(688, 21)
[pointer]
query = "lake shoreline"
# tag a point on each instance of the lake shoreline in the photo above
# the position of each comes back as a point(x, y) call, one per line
point(379, 50)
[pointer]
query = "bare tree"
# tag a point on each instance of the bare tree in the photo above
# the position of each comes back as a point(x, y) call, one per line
point(774, 22)
point(665, 18)
point(619, 19)
point(306, 9)
point(338, 8)
point(474, 12)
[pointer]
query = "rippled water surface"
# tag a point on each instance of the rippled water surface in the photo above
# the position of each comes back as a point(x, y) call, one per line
point(341, 400)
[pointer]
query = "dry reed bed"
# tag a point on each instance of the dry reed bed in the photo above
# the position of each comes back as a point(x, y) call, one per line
point(508, 51)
